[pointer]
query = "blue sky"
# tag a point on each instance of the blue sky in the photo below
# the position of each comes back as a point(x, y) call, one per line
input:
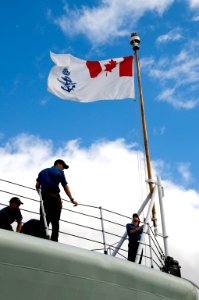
point(36, 126)
point(99, 30)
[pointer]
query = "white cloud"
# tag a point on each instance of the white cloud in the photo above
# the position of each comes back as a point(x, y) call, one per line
point(108, 20)
point(184, 170)
point(106, 174)
point(173, 35)
point(147, 62)
point(169, 97)
point(194, 3)
point(195, 18)
point(159, 131)
point(178, 76)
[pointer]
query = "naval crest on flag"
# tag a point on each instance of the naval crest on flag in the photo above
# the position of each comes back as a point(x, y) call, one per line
point(85, 81)
point(65, 80)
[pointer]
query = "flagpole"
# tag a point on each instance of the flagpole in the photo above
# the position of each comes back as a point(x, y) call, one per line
point(135, 42)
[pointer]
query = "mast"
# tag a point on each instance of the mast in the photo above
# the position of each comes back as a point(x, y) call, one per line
point(135, 42)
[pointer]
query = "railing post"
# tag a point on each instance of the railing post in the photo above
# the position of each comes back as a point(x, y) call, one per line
point(103, 233)
point(164, 234)
point(150, 248)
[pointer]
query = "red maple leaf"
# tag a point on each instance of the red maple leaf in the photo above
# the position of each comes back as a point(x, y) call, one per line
point(110, 66)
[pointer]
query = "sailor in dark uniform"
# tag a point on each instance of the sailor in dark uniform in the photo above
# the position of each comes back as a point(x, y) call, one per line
point(134, 232)
point(10, 214)
point(48, 181)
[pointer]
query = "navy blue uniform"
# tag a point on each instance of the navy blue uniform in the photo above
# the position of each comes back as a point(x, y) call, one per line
point(133, 241)
point(9, 215)
point(49, 179)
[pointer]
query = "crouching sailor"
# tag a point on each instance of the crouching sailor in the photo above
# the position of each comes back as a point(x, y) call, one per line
point(10, 214)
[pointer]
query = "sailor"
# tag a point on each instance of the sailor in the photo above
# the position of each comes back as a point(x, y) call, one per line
point(10, 214)
point(48, 181)
point(35, 228)
point(134, 232)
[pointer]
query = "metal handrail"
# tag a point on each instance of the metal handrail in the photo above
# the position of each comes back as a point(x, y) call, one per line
point(103, 235)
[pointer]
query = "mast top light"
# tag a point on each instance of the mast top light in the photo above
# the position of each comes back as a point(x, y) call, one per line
point(135, 41)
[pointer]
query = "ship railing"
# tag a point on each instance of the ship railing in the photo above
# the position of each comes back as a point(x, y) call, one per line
point(87, 226)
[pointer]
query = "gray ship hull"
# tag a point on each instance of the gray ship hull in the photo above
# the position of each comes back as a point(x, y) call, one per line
point(36, 269)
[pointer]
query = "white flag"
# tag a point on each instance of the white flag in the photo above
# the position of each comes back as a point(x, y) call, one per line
point(86, 81)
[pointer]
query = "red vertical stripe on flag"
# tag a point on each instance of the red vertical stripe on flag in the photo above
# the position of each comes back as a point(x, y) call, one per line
point(126, 66)
point(94, 68)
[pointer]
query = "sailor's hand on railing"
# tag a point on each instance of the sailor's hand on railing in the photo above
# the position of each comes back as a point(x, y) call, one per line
point(74, 202)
